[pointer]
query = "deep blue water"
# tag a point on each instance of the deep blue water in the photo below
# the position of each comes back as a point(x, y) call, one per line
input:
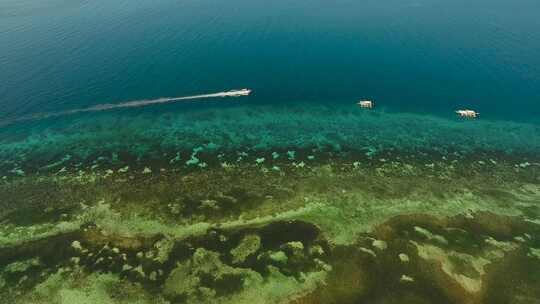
point(429, 56)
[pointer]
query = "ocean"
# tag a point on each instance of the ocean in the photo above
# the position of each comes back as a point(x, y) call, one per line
point(416, 56)
point(221, 199)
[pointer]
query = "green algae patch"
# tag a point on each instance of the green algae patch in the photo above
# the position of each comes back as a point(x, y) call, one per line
point(22, 266)
point(96, 288)
point(278, 288)
point(343, 218)
point(13, 236)
point(204, 277)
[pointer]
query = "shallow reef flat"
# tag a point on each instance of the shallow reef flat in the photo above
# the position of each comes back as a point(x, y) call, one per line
point(50, 145)
point(279, 226)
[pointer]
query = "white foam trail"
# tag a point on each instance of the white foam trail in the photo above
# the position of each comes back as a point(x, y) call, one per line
point(128, 104)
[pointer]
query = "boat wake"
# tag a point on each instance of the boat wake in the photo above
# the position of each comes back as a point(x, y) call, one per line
point(128, 104)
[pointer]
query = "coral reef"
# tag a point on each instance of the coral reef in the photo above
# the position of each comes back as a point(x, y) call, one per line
point(344, 227)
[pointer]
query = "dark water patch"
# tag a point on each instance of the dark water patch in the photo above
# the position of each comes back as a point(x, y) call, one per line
point(521, 274)
point(48, 250)
point(225, 285)
point(282, 232)
point(532, 212)
point(25, 265)
point(498, 226)
point(28, 216)
point(358, 277)
point(467, 234)
point(396, 272)
point(34, 202)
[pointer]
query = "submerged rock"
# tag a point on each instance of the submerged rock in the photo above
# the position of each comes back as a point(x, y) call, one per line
point(279, 257)
point(534, 253)
point(248, 246)
point(77, 245)
point(147, 170)
point(407, 279)
point(316, 251)
point(139, 271)
point(182, 281)
point(430, 236)
point(295, 249)
point(163, 248)
point(379, 244)
point(209, 205)
point(368, 251)
point(403, 257)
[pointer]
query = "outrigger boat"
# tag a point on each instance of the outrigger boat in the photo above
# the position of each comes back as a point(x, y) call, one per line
point(467, 114)
point(366, 104)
